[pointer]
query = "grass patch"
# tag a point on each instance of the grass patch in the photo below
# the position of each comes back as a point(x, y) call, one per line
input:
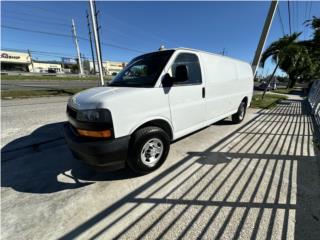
point(47, 77)
point(269, 101)
point(10, 94)
point(283, 90)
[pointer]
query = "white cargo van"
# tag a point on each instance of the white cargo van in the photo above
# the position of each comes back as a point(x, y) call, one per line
point(157, 98)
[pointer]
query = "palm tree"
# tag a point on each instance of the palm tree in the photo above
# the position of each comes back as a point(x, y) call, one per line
point(277, 49)
point(313, 45)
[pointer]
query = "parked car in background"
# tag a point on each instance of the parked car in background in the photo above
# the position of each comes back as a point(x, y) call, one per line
point(268, 87)
point(158, 97)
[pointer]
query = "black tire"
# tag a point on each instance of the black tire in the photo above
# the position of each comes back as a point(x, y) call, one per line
point(138, 141)
point(240, 114)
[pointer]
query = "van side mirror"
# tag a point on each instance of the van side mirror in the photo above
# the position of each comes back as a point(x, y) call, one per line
point(181, 73)
point(167, 80)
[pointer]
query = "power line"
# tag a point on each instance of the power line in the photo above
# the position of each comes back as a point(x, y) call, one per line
point(297, 16)
point(306, 9)
point(52, 55)
point(309, 16)
point(44, 53)
point(17, 23)
point(155, 37)
point(47, 11)
point(310, 9)
point(68, 26)
point(69, 36)
point(305, 18)
point(27, 42)
point(289, 17)
point(293, 17)
point(123, 48)
point(280, 19)
point(36, 31)
point(35, 51)
point(38, 17)
point(37, 21)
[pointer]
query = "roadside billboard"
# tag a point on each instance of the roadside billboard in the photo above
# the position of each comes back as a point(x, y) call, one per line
point(69, 61)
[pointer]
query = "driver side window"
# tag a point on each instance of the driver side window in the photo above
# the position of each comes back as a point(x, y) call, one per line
point(191, 61)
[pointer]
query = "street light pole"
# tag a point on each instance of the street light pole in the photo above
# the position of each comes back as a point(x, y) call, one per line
point(264, 35)
point(95, 34)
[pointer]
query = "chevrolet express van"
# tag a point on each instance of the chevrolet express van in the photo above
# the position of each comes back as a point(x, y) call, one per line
point(157, 98)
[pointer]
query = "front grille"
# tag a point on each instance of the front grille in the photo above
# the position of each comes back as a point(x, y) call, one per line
point(71, 112)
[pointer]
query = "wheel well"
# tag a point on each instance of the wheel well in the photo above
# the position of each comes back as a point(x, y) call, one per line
point(245, 99)
point(159, 123)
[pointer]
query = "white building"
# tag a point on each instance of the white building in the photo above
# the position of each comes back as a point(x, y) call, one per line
point(45, 67)
point(15, 61)
point(109, 67)
point(22, 62)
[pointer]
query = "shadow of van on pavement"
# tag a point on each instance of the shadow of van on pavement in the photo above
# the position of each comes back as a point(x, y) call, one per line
point(42, 163)
point(259, 182)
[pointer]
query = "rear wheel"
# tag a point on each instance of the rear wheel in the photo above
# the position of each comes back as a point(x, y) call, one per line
point(239, 115)
point(148, 149)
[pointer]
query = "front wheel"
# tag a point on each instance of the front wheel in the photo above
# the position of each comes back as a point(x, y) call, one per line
point(148, 149)
point(239, 115)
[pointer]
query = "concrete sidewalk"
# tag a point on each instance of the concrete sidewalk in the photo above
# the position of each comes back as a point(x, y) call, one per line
point(257, 180)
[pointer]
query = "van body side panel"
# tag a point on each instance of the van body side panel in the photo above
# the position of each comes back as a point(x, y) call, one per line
point(245, 76)
point(227, 82)
point(218, 86)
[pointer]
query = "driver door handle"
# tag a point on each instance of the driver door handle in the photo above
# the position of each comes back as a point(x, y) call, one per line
point(203, 92)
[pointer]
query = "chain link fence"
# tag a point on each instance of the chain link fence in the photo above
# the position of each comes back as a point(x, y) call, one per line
point(314, 100)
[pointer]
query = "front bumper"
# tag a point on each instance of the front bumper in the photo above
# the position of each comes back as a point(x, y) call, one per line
point(109, 153)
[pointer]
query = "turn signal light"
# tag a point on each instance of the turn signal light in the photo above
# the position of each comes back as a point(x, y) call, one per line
point(97, 134)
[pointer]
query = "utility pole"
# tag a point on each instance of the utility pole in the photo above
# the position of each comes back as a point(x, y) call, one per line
point(77, 46)
point(95, 34)
point(90, 38)
point(98, 30)
point(31, 60)
point(264, 35)
point(224, 51)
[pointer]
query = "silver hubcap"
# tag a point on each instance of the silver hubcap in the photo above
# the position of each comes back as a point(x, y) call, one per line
point(151, 152)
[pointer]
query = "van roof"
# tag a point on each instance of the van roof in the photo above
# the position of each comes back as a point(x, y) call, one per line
point(200, 51)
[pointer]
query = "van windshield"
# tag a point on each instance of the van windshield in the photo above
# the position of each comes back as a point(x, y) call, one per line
point(142, 71)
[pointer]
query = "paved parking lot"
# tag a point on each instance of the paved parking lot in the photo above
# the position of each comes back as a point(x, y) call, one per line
point(256, 180)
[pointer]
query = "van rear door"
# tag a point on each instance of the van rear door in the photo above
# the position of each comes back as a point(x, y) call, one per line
point(187, 98)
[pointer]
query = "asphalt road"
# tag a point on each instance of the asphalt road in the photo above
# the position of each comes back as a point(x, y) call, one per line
point(258, 180)
point(46, 84)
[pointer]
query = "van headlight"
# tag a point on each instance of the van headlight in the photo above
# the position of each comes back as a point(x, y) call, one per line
point(94, 115)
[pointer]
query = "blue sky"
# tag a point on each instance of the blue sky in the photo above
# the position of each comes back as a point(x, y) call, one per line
point(143, 26)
